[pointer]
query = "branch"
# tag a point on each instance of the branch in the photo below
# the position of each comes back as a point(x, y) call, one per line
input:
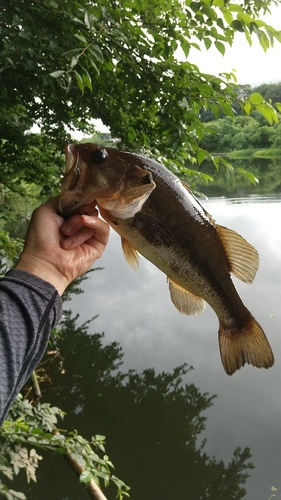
point(92, 488)
point(35, 386)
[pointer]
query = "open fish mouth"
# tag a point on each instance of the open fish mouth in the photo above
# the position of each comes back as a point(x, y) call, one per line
point(85, 209)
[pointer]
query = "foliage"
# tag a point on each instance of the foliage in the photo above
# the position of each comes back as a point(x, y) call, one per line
point(248, 165)
point(30, 426)
point(64, 63)
point(243, 132)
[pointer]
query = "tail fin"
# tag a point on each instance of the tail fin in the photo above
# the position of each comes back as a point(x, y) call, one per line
point(248, 345)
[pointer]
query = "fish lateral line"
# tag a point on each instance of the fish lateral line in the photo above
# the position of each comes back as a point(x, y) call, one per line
point(158, 216)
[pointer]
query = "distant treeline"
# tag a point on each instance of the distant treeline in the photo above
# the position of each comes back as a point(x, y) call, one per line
point(243, 132)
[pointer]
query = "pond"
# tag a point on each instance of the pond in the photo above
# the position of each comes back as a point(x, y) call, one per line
point(154, 429)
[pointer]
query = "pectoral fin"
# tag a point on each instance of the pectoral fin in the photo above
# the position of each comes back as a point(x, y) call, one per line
point(243, 257)
point(185, 301)
point(130, 253)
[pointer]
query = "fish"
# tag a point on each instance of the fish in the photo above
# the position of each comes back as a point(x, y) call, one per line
point(158, 216)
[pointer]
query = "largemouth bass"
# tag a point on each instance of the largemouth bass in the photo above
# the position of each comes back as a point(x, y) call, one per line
point(158, 216)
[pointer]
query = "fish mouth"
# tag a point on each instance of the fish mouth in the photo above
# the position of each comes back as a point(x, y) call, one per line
point(82, 209)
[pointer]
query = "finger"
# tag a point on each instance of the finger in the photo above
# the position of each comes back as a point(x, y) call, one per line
point(98, 232)
point(72, 225)
point(100, 227)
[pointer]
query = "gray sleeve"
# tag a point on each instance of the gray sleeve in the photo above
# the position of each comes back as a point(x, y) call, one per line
point(29, 309)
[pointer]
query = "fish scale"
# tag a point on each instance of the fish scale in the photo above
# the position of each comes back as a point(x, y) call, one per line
point(159, 217)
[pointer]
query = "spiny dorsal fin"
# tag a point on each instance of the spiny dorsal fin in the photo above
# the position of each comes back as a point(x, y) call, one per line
point(188, 188)
point(185, 301)
point(243, 257)
point(130, 253)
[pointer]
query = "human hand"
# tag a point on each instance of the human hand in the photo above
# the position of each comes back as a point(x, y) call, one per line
point(59, 251)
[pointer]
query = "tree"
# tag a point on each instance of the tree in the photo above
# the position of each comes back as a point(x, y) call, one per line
point(153, 422)
point(270, 91)
point(64, 63)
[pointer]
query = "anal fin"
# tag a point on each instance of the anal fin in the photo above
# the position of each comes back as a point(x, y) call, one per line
point(186, 302)
point(130, 253)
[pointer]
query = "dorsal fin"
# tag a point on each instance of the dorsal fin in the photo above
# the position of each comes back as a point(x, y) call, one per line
point(130, 253)
point(188, 188)
point(185, 301)
point(243, 257)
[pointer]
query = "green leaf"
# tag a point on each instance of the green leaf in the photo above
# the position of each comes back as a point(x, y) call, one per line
point(79, 81)
point(85, 477)
point(248, 37)
point(87, 80)
point(207, 42)
point(254, 180)
point(94, 65)
point(244, 17)
point(81, 38)
point(87, 19)
point(268, 112)
point(186, 47)
point(219, 3)
point(264, 41)
point(74, 61)
point(57, 74)
point(227, 16)
point(256, 98)
point(220, 47)
point(247, 107)
point(234, 7)
point(201, 155)
point(278, 106)
point(237, 25)
point(227, 109)
point(97, 52)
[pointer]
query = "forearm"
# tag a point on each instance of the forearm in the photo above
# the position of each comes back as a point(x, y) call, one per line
point(29, 309)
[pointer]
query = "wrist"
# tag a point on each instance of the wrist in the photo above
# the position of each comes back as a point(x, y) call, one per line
point(43, 270)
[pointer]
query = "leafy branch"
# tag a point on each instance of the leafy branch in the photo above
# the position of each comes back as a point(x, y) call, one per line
point(35, 425)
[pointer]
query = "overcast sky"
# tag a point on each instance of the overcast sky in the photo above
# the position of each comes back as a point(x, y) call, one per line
point(252, 64)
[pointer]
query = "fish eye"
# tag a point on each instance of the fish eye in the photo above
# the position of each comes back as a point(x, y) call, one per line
point(99, 155)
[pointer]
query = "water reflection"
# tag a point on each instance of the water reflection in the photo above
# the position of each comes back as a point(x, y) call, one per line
point(234, 183)
point(135, 309)
point(154, 425)
point(153, 422)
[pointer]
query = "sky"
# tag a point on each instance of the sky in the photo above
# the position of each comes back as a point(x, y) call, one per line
point(253, 66)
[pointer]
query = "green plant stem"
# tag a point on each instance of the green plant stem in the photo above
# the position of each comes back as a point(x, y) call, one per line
point(92, 488)
point(35, 386)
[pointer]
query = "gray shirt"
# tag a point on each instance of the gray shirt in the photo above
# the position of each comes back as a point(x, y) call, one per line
point(29, 309)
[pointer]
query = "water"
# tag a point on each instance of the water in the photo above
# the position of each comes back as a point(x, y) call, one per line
point(147, 430)
point(135, 310)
